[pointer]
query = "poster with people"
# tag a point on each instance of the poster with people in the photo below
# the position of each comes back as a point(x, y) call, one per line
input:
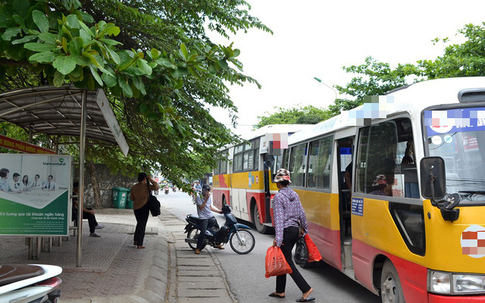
point(34, 194)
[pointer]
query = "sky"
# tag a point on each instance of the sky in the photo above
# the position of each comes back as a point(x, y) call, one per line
point(316, 38)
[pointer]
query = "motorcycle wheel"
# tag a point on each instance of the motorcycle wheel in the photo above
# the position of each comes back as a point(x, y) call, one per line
point(194, 234)
point(243, 244)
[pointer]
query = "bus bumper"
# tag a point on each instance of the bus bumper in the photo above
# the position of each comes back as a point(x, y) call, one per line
point(434, 298)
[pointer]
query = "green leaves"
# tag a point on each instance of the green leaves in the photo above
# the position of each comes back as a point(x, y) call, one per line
point(162, 77)
point(25, 39)
point(10, 33)
point(21, 8)
point(74, 45)
point(41, 21)
point(64, 64)
point(43, 57)
point(296, 115)
point(40, 47)
point(459, 60)
point(144, 67)
point(5, 20)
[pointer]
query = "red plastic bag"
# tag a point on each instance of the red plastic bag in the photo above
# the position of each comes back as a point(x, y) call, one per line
point(276, 264)
point(313, 253)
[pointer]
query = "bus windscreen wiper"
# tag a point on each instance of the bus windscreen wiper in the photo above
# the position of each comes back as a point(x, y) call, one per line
point(472, 192)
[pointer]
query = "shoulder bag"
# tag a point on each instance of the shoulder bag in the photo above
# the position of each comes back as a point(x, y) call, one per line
point(153, 203)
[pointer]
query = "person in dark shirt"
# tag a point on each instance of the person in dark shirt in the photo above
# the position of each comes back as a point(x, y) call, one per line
point(88, 213)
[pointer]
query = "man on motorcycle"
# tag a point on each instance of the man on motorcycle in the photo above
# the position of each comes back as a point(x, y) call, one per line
point(207, 219)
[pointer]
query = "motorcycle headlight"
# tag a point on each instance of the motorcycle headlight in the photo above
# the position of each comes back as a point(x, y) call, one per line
point(454, 283)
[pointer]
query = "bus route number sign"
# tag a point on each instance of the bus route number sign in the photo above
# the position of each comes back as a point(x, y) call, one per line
point(358, 207)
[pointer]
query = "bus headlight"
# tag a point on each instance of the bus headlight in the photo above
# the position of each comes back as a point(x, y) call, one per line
point(439, 282)
point(468, 283)
point(452, 283)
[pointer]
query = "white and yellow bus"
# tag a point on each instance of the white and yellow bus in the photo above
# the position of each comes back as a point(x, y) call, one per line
point(410, 223)
point(243, 180)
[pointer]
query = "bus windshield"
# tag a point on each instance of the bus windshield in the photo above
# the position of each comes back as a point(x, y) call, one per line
point(458, 136)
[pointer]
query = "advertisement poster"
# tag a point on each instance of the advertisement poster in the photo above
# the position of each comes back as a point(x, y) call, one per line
point(34, 194)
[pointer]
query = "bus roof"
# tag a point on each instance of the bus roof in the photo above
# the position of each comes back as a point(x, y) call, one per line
point(277, 128)
point(412, 98)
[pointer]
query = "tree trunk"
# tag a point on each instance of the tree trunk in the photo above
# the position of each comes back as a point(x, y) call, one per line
point(94, 182)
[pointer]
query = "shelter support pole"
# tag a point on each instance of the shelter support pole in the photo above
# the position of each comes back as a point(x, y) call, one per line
point(82, 148)
point(56, 144)
point(30, 134)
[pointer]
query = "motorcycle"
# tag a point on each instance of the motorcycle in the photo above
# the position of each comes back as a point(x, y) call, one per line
point(238, 235)
point(30, 283)
point(166, 190)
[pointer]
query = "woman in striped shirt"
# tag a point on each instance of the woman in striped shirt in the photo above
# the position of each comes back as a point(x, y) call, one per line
point(288, 217)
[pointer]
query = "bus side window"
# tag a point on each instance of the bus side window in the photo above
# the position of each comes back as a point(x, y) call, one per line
point(376, 156)
point(297, 164)
point(319, 156)
point(408, 169)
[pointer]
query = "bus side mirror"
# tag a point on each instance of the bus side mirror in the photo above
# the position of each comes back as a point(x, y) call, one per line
point(433, 178)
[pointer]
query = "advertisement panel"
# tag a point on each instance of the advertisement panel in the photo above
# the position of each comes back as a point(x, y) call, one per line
point(34, 194)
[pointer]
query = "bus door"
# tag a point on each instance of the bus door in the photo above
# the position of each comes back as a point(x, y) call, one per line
point(345, 169)
point(268, 163)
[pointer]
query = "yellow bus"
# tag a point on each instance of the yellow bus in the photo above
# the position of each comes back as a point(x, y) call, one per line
point(243, 178)
point(409, 224)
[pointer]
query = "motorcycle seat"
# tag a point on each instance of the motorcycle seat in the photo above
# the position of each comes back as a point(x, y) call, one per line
point(17, 272)
point(193, 218)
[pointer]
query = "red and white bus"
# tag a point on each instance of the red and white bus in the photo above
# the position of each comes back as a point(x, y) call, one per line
point(243, 179)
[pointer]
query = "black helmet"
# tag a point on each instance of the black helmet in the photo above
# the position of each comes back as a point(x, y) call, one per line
point(206, 187)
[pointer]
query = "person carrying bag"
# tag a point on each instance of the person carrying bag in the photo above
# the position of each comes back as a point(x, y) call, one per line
point(140, 195)
point(276, 264)
point(288, 217)
point(313, 253)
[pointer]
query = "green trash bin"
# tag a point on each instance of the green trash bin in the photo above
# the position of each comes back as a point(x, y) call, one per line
point(119, 196)
point(129, 202)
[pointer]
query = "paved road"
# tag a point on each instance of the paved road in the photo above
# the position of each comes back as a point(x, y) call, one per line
point(245, 273)
point(113, 270)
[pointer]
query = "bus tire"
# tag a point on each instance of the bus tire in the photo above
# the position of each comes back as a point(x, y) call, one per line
point(261, 228)
point(391, 290)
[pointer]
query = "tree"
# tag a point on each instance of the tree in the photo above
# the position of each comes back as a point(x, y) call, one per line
point(375, 78)
point(459, 60)
point(378, 78)
point(158, 66)
point(296, 115)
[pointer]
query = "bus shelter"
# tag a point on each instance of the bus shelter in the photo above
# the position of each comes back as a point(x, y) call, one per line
point(65, 111)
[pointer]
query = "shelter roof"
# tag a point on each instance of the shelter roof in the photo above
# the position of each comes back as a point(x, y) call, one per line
point(56, 111)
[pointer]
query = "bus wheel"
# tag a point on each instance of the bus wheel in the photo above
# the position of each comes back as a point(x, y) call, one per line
point(262, 229)
point(391, 291)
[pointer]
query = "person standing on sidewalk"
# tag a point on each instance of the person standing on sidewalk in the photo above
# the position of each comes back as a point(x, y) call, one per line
point(206, 218)
point(288, 217)
point(139, 195)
